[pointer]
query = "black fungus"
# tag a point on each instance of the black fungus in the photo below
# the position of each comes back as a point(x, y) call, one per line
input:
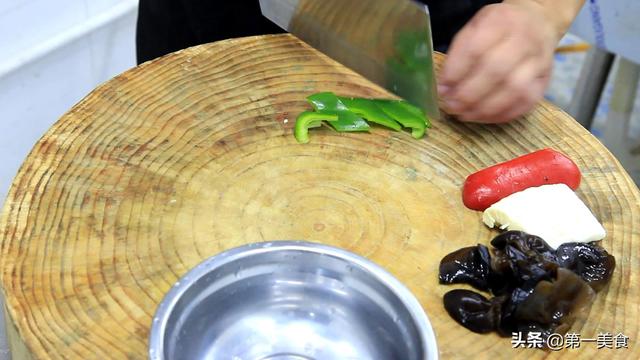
point(535, 288)
point(592, 263)
point(523, 245)
point(508, 321)
point(472, 310)
point(522, 260)
point(468, 265)
point(554, 305)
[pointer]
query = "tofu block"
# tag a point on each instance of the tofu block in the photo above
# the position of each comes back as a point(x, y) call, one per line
point(552, 212)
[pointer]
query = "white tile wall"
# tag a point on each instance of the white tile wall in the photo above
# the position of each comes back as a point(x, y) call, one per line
point(95, 7)
point(112, 49)
point(7, 5)
point(28, 23)
point(34, 95)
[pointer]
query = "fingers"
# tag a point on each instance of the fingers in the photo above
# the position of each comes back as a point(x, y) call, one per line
point(469, 44)
point(518, 94)
point(493, 68)
point(538, 88)
point(499, 65)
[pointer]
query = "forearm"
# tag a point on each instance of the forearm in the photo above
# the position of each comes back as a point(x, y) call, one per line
point(560, 13)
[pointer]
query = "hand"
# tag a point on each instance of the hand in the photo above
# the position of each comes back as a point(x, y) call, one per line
point(499, 64)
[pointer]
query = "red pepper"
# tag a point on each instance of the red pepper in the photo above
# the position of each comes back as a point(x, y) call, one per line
point(486, 187)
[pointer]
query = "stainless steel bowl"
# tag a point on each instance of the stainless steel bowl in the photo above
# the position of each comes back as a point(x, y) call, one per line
point(290, 300)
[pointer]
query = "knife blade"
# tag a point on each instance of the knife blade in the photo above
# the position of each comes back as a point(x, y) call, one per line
point(387, 41)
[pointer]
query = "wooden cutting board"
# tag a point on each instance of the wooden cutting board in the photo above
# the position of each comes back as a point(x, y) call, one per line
point(193, 153)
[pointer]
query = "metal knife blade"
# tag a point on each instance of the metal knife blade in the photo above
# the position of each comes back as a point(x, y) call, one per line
point(387, 41)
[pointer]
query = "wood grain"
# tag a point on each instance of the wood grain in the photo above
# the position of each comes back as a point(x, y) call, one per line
point(193, 153)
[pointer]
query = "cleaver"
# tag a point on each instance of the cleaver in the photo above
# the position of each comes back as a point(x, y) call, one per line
point(386, 41)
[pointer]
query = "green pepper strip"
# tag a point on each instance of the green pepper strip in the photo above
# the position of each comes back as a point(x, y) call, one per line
point(416, 111)
point(328, 102)
point(349, 122)
point(345, 114)
point(370, 111)
point(310, 119)
point(405, 115)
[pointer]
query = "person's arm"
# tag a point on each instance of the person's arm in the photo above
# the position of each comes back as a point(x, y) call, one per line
point(499, 64)
point(559, 12)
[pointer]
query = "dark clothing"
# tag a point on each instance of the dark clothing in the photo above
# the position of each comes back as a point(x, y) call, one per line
point(449, 16)
point(165, 26)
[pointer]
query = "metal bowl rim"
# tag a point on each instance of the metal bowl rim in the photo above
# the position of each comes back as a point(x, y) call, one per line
point(161, 316)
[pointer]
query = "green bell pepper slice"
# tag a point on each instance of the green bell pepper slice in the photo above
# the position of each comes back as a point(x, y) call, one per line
point(310, 119)
point(349, 114)
point(349, 122)
point(416, 111)
point(406, 114)
point(370, 111)
point(328, 102)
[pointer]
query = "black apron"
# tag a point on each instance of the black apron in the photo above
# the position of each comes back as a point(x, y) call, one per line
point(165, 26)
point(449, 16)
